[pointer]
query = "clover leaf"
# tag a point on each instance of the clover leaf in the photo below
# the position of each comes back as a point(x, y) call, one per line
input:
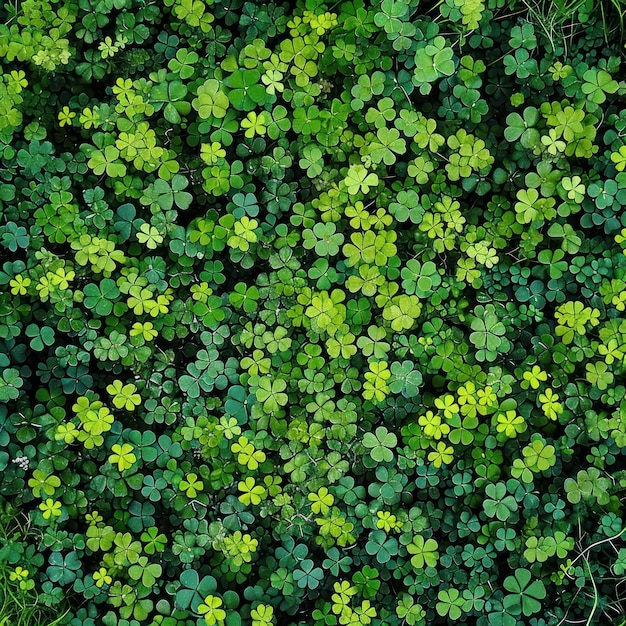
point(488, 333)
point(380, 444)
point(525, 595)
point(124, 396)
point(424, 552)
point(210, 100)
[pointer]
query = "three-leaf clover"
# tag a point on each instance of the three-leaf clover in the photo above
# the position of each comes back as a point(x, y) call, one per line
point(359, 180)
point(488, 333)
point(380, 444)
point(525, 595)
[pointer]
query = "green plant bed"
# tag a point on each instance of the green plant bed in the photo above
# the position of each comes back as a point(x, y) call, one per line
point(19, 601)
point(312, 314)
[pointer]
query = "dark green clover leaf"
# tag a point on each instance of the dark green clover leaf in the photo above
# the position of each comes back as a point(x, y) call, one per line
point(10, 382)
point(63, 569)
point(193, 590)
point(366, 581)
point(245, 89)
point(14, 236)
point(100, 297)
point(336, 562)
point(41, 336)
point(307, 575)
point(381, 546)
point(525, 595)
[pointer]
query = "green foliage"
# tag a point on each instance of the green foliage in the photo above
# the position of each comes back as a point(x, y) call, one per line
point(525, 595)
point(20, 601)
point(380, 444)
point(488, 335)
point(312, 313)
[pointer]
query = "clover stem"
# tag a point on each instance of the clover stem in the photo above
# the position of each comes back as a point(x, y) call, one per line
point(595, 591)
point(597, 543)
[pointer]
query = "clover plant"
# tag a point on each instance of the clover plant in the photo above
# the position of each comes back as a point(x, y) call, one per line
point(312, 313)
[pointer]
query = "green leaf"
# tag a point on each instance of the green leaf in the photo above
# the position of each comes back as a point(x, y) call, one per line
point(450, 603)
point(432, 61)
point(425, 552)
point(308, 576)
point(522, 127)
point(380, 444)
point(10, 384)
point(100, 297)
point(193, 589)
point(210, 100)
point(597, 83)
point(41, 336)
point(498, 504)
point(525, 595)
point(381, 546)
point(420, 279)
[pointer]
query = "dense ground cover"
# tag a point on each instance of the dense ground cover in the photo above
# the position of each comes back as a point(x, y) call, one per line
point(313, 313)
